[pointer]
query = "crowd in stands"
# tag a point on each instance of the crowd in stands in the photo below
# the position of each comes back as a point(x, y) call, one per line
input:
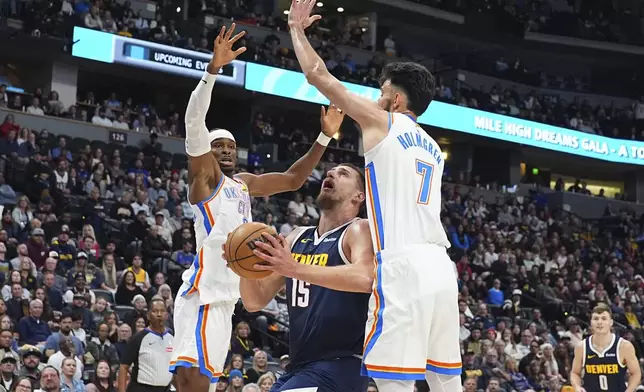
point(91, 232)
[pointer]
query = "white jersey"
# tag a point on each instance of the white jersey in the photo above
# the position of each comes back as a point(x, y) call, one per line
point(226, 209)
point(404, 175)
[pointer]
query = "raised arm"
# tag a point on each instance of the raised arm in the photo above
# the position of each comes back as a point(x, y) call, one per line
point(373, 120)
point(296, 175)
point(204, 172)
point(356, 277)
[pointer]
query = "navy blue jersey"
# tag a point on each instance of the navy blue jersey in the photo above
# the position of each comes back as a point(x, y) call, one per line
point(603, 370)
point(323, 323)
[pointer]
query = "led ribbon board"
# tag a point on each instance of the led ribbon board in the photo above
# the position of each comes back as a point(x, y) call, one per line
point(110, 48)
point(290, 84)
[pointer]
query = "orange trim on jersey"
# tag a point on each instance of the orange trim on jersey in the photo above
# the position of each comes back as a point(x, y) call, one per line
point(202, 333)
point(445, 365)
point(372, 205)
point(211, 218)
point(395, 369)
point(184, 359)
point(375, 311)
point(195, 285)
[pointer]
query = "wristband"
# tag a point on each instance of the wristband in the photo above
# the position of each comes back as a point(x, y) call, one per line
point(323, 139)
point(208, 77)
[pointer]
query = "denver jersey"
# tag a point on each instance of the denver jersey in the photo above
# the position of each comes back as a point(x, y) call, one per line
point(221, 213)
point(323, 323)
point(404, 173)
point(603, 370)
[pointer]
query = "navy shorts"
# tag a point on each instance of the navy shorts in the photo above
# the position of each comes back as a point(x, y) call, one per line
point(333, 375)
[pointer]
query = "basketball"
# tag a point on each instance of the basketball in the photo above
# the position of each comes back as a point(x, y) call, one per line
point(239, 249)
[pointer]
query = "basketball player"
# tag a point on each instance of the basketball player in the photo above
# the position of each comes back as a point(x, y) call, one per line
point(412, 330)
point(221, 202)
point(328, 273)
point(604, 358)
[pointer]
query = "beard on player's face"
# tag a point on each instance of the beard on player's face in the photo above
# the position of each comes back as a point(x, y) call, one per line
point(326, 200)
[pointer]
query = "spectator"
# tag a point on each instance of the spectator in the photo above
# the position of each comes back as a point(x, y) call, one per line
point(241, 344)
point(99, 349)
point(53, 341)
point(6, 338)
point(54, 295)
point(123, 337)
point(103, 380)
point(260, 366)
point(66, 351)
point(8, 368)
point(50, 380)
point(79, 290)
point(7, 290)
point(31, 365)
point(15, 305)
point(141, 276)
point(37, 249)
point(68, 380)
point(32, 329)
point(128, 289)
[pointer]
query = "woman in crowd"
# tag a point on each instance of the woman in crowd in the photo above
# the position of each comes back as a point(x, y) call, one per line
point(22, 214)
point(103, 380)
point(260, 366)
point(109, 272)
point(139, 303)
point(266, 381)
point(241, 343)
point(235, 381)
point(127, 290)
point(22, 384)
point(139, 324)
point(14, 277)
point(67, 382)
point(100, 309)
point(112, 320)
point(236, 363)
point(27, 275)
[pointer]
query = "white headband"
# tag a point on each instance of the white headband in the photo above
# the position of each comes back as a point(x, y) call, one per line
point(220, 134)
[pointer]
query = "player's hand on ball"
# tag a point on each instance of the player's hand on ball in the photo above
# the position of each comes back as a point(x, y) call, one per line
point(277, 257)
point(299, 15)
point(330, 120)
point(223, 52)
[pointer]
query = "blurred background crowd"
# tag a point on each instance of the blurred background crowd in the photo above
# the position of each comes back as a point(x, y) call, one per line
point(91, 230)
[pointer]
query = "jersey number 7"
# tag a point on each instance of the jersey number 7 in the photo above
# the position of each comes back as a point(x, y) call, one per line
point(425, 170)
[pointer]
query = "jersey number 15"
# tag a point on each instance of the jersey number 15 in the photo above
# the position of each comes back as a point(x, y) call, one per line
point(300, 294)
point(425, 170)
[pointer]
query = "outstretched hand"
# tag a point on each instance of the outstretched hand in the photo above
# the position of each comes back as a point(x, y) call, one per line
point(277, 257)
point(300, 14)
point(223, 52)
point(330, 120)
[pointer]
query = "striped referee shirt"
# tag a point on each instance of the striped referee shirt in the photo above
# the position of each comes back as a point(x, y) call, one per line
point(148, 353)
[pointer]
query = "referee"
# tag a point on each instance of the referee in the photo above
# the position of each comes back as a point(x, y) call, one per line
point(148, 353)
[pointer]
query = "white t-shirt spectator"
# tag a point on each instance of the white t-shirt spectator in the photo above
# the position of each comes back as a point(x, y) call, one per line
point(56, 361)
point(136, 207)
point(120, 125)
point(35, 110)
point(312, 212)
point(299, 209)
point(104, 121)
point(286, 229)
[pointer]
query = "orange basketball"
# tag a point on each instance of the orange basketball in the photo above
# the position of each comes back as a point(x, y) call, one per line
point(239, 249)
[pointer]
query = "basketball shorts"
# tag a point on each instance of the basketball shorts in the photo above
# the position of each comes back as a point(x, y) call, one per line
point(333, 375)
point(413, 322)
point(201, 335)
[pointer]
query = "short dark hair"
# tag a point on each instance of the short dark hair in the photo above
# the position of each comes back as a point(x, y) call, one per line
point(414, 80)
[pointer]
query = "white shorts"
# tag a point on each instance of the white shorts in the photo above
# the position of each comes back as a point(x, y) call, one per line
point(201, 335)
point(413, 323)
